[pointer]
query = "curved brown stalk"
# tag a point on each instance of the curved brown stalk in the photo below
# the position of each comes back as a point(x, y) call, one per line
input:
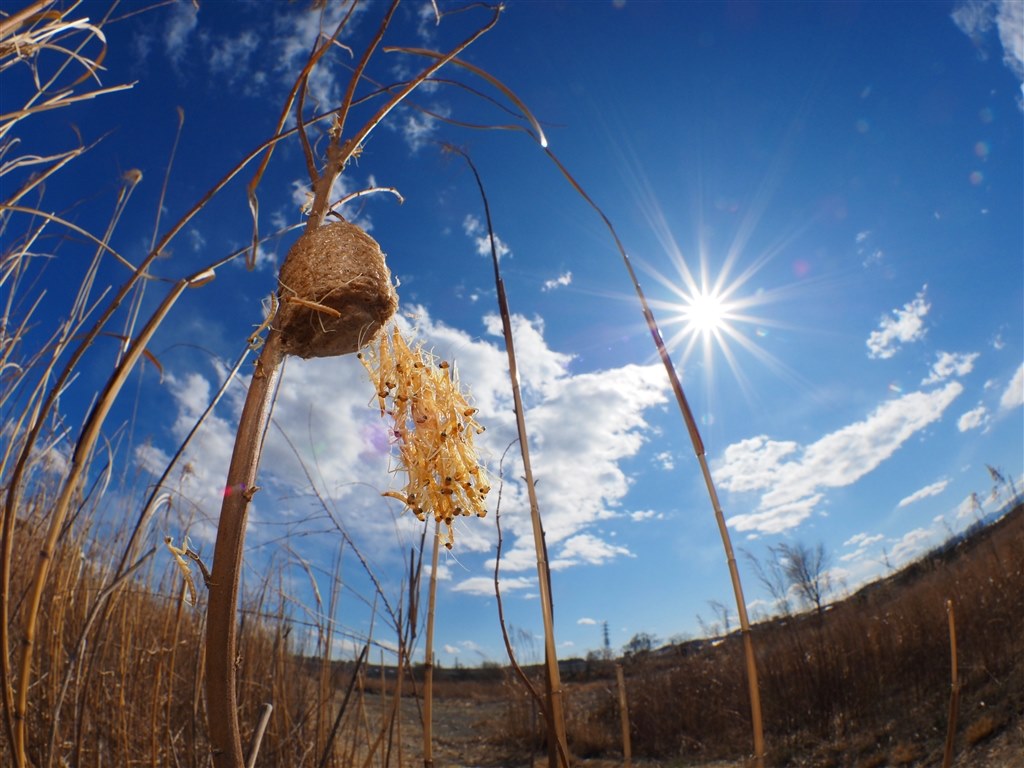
point(698, 448)
point(222, 627)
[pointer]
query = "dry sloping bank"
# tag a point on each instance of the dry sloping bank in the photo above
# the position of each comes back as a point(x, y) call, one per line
point(867, 684)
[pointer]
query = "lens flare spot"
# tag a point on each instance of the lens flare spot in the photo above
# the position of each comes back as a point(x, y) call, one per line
point(981, 149)
point(976, 178)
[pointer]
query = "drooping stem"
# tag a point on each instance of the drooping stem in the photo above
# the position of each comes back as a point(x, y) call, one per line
point(698, 449)
point(558, 750)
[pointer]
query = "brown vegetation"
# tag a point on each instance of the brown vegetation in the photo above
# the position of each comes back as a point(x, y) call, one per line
point(866, 683)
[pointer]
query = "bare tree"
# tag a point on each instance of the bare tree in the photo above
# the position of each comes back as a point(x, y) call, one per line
point(722, 614)
point(774, 579)
point(641, 644)
point(807, 569)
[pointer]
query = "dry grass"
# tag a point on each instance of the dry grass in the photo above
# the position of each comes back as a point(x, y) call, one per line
point(866, 683)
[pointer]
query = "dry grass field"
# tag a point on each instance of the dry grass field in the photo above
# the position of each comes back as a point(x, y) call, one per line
point(866, 685)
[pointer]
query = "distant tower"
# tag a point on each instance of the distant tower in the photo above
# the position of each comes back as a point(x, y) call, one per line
point(607, 643)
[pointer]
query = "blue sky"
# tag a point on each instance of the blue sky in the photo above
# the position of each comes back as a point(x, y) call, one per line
point(845, 179)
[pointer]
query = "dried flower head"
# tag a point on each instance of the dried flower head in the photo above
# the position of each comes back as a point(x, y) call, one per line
point(434, 427)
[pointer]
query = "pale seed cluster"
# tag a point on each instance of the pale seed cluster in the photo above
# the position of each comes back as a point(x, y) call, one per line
point(433, 428)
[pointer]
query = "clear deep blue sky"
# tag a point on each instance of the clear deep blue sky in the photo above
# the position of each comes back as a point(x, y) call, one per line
point(840, 183)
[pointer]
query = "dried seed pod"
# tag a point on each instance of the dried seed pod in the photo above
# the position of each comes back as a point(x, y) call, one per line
point(335, 291)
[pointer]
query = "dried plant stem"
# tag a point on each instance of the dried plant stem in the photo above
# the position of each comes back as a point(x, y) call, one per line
point(221, 634)
point(257, 736)
point(558, 749)
point(538, 700)
point(954, 691)
point(627, 749)
point(356, 671)
point(428, 663)
point(79, 461)
point(698, 448)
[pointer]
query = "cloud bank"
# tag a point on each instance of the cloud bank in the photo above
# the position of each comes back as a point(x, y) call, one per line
point(793, 478)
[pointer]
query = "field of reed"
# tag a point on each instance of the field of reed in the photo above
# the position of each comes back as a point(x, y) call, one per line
point(110, 657)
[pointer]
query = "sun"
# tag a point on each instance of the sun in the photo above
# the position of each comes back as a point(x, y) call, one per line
point(715, 315)
point(705, 312)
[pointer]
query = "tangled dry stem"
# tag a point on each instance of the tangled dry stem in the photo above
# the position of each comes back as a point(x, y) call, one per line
point(433, 426)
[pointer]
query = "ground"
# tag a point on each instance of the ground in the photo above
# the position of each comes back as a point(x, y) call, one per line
point(463, 731)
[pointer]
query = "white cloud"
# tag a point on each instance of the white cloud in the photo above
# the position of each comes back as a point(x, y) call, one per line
point(905, 326)
point(870, 255)
point(929, 490)
point(541, 369)
point(585, 548)
point(862, 540)
point(950, 364)
point(793, 478)
point(427, 18)
point(484, 585)
point(586, 621)
point(557, 282)
point(475, 231)
point(184, 17)
point(1013, 397)
point(231, 57)
point(976, 17)
point(452, 649)
point(419, 128)
point(912, 544)
point(577, 460)
point(972, 419)
point(646, 514)
point(861, 543)
point(581, 427)
point(294, 37)
point(665, 460)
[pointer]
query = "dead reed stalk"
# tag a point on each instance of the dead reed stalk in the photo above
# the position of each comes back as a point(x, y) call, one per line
point(754, 693)
point(558, 749)
point(954, 690)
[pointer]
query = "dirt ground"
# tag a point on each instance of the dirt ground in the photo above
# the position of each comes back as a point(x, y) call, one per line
point(463, 728)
